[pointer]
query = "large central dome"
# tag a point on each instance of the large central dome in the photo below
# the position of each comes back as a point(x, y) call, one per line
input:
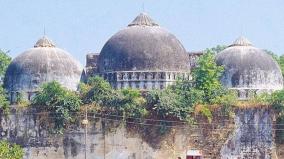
point(143, 45)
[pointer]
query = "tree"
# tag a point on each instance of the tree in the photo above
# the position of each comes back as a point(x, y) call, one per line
point(180, 100)
point(132, 104)
point(97, 90)
point(10, 151)
point(167, 104)
point(5, 60)
point(4, 104)
point(207, 76)
point(189, 95)
point(58, 102)
point(125, 102)
point(217, 49)
point(281, 64)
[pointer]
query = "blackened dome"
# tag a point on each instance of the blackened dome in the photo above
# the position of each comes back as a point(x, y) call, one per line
point(143, 45)
point(41, 64)
point(248, 67)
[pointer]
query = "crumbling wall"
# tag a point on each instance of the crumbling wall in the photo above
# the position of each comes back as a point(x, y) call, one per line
point(24, 128)
point(253, 135)
point(250, 135)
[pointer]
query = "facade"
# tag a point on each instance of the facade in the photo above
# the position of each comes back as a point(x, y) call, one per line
point(43, 63)
point(143, 56)
point(248, 69)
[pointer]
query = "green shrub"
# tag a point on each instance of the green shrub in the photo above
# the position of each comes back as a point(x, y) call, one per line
point(167, 104)
point(58, 102)
point(206, 77)
point(98, 91)
point(132, 104)
point(4, 103)
point(10, 151)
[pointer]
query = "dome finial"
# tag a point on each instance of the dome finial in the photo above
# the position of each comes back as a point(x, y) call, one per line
point(44, 42)
point(241, 41)
point(44, 30)
point(143, 7)
point(143, 19)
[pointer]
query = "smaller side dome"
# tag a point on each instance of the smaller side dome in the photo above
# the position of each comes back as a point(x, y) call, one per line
point(249, 68)
point(41, 64)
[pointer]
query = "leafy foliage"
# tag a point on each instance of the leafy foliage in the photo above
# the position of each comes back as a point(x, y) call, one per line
point(4, 104)
point(132, 104)
point(217, 49)
point(10, 151)
point(125, 102)
point(59, 102)
point(179, 100)
point(188, 94)
point(277, 101)
point(168, 104)
point(97, 90)
point(207, 75)
point(5, 60)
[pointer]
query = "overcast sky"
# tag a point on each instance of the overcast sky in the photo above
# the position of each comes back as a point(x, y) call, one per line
point(83, 26)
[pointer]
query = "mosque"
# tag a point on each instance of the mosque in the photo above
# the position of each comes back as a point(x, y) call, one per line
point(143, 55)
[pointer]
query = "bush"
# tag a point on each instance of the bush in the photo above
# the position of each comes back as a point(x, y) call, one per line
point(126, 102)
point(98, 91)
point(167, 104)
point(206, 77)
point(132, 104)
point(5, 60)
point(58, 102)
point(10, 151)
point(4, 103)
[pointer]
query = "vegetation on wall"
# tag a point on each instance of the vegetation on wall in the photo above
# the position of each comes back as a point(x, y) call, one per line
point(276, 99)
point(5, 60)
point(126, 102)
point(176, 102)
point(180, 101)
point(273, 100)
point(4, 104)
point(10, 151)
point(58, 103)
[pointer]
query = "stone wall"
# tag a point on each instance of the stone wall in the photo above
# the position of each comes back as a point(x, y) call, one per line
point(24, 128)
point(107, 139)
point(253, 136)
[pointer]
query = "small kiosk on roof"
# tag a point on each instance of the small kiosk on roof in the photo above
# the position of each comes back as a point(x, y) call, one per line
point(193, 154)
